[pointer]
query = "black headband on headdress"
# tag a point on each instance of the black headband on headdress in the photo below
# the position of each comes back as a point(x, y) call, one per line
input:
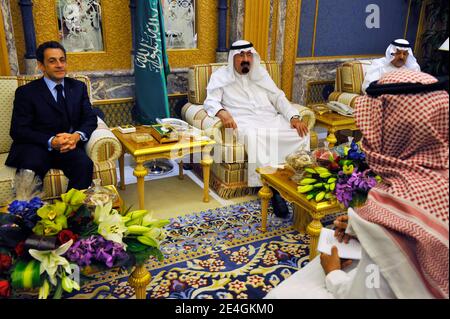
point(376, 89)
point(243, 46)
point(402, 45)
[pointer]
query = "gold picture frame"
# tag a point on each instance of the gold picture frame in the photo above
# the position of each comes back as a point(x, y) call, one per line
point(116, 53)
point(207, 38)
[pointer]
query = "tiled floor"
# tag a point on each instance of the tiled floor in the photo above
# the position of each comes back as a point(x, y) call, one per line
point(168, 196)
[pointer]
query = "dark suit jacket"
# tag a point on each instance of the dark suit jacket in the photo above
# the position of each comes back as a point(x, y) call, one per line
point(36, 116)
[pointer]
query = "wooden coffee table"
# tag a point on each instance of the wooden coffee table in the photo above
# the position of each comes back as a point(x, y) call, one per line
point(280, 180)
point(143, 152)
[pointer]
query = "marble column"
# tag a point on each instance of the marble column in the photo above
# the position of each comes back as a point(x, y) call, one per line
point(237, 8)
point(9, 33)
point(279, 51)
point(26, 7)
point(221, 52)
point(132, 7)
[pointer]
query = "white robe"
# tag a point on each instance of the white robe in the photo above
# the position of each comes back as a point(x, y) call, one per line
point(390, 278)
point(263, 122)
point(311, 282)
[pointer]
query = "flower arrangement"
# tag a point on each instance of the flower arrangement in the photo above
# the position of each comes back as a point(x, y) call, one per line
point(341, 173)
point(43, 245)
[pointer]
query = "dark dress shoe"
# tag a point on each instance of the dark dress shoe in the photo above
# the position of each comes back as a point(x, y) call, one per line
point(279, 205)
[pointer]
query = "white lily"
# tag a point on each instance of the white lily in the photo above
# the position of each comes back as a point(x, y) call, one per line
point(112, 228)
point(51, 259)
point(101, 212)
point(149, 221)
point(158, 234)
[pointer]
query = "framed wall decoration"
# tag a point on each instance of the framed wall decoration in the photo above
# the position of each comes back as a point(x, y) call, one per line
point(80, 25)
point(180, 24)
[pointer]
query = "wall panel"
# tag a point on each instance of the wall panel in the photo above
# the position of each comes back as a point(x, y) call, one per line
point(337, 28)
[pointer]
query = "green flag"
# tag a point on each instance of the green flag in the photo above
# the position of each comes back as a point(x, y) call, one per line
point(150, 63)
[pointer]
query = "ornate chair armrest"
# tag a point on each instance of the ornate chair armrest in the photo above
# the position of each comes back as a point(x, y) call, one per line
point(196, 116)
point(103, 145)
point(307, 115)
point(343, 97)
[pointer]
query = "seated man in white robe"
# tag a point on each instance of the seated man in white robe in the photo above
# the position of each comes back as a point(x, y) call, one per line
point(398, 56)
point(249, 103)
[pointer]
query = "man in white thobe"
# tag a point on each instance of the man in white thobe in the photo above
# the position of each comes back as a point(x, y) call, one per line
point(247, 101)
point(327, 277)
point(398, 56)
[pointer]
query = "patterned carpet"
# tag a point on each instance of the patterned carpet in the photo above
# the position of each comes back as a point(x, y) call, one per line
point(215, 254)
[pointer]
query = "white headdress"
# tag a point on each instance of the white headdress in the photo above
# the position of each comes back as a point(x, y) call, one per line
point(227, 74)
point(402, 44)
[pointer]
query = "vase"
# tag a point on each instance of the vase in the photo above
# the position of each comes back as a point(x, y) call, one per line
point(139, 280)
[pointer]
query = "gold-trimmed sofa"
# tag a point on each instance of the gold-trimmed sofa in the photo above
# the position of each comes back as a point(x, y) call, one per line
point(349, 79)
point(229, 177)
point(103, 147)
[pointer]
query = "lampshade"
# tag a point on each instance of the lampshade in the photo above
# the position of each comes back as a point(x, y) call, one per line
point(444, 46)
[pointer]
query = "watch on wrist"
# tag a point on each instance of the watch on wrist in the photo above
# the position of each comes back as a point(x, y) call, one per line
point(295, 117)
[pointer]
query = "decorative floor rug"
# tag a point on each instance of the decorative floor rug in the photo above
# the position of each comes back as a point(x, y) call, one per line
point(215, 254)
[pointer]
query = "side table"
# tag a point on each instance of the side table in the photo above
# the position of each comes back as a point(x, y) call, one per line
point(335, 122)
point(280, 180)
point(143, 152)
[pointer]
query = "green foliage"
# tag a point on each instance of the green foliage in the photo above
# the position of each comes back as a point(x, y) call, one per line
point(142, 257)
point(142, 252)
point(58, 291)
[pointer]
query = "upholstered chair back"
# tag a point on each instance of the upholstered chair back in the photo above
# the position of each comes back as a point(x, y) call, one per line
point(349, 79)
point(8, 86)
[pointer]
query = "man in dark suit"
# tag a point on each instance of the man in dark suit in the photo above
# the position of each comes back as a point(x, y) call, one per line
point(52, 119)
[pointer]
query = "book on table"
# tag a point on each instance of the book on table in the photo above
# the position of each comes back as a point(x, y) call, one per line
point(351, 250)
point(164, 133)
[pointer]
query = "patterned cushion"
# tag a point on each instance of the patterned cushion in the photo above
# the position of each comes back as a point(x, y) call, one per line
point(198, 78)
point(346, 98)
point(196, 115)
point(83, 78)
point(350, 76)
point(230, 173)
point(229, 153)
point(6, 180)
point(8, 86)
point(103, 145)
point(228, 180)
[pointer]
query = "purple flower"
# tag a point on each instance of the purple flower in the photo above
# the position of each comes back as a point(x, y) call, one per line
point(103, 256)
point(95, 248)
point(357, 183)
point(344, 193)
